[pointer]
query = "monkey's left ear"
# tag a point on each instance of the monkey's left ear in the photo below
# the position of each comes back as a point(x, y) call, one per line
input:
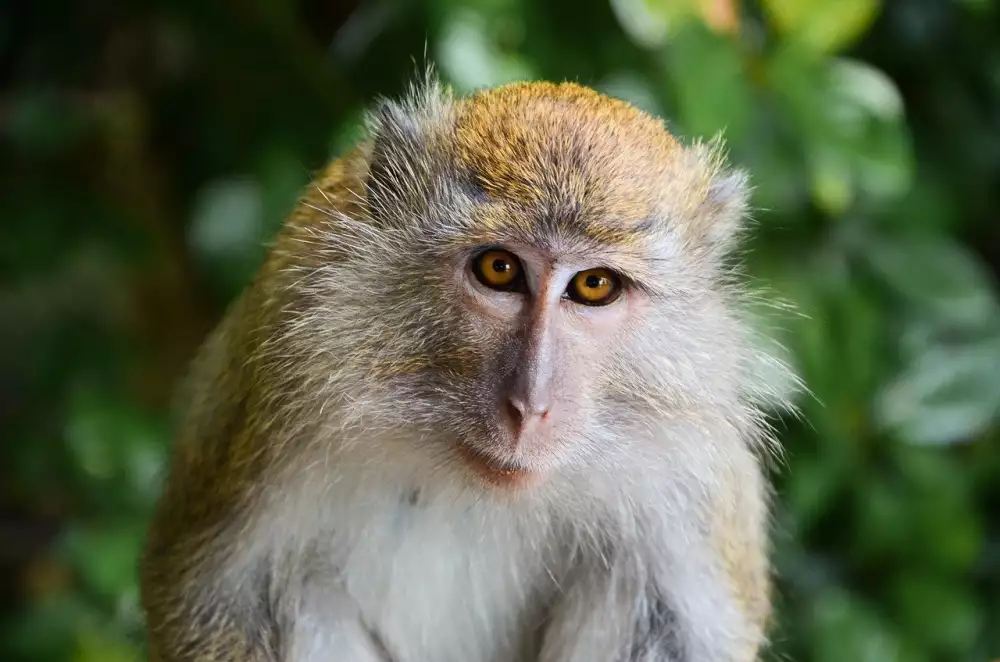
point(723, 212)
point(728, 200)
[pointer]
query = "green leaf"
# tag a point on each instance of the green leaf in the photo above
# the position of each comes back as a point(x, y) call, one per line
point(46, 629)
point(635, 89)
point(810, 487)
point(227, 218)
point(94, 645)
point(946, 531)
point(710, 84)
point(883, 520)
point(832, 181)
point(227, 231)
point(943, 615)
point(848, 629)
point(849, 121)
point(106, 557)
point(936, 276)
point(868, 112)
point(470, 57)
point(822, 25)
point(949, 394)
point(650, 22)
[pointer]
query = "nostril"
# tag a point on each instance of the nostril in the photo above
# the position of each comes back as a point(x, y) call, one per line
point(515, 411)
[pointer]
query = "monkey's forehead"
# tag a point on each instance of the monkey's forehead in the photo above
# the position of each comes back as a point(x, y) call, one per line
point(564, 146)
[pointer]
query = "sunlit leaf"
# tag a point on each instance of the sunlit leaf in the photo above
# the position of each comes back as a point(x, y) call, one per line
point(227, 232)
point(823, 25)
point(849, 118)
point(470, 57)
point(649, 22)
point(227, 218)
point(832, 180)
point(96, 646)
point(634, 89)
point(949, 394)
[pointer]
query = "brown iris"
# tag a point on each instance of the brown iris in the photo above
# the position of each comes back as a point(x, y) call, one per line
point(594, 287)
point(498, 269)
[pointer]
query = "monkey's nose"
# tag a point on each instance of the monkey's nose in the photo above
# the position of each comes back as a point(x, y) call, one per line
point(522, 412)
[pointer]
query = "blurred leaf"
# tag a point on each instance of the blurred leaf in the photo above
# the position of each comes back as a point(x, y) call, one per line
point(869, 114)
point(227, 231)
point(710, 84)
point(106, 557)
point(946, 534)
point(44, 123)
point(470, 57)
point(942, 615)
point(848, 117)
point(649, 22)
point(95, 646)
point(937, 276)
point(884, 525)
point(950, 389)
point(822, 25)
point(949, 394)
point(832, 183)
point(810, 489)
point(46, 630)
point(116, 445)
point(634, 89)
point(227, 218)
point(847, 629)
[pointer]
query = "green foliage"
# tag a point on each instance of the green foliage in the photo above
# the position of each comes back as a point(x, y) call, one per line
point(151, 149)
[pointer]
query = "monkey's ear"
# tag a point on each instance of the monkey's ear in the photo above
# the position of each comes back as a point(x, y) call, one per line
point(728, 200)
point(722, 214)
point(402, 162)
point(395, 145)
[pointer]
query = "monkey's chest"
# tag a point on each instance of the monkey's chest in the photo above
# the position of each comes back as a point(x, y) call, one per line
point(445, 588)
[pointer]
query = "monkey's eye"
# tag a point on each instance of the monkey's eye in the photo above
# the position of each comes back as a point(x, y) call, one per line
point(498, 270)
point(594, 287)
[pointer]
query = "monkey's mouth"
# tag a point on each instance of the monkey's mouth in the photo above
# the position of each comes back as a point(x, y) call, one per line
point(497, 472)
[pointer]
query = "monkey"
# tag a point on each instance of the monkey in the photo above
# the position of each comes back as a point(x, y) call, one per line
point(491, 397)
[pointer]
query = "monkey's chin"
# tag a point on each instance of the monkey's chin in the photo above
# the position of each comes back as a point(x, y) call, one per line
point(500, 475)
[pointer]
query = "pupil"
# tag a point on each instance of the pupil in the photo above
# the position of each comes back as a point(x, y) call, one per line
point(593, 282)
point(500, 266)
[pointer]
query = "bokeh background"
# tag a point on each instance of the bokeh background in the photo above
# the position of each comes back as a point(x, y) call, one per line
point(150, 147)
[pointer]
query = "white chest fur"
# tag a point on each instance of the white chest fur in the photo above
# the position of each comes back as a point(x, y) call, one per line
point(440, 578)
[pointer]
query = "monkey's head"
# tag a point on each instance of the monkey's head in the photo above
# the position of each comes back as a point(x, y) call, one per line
point(529, 279)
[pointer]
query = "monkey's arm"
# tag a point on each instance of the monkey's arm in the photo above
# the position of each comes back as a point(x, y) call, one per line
point(192, 616)
point(193, 613)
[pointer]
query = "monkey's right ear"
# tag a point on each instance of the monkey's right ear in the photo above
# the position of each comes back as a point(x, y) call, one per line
point(402, 162)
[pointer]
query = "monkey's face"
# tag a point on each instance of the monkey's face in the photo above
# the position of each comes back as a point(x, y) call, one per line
point(532, 281)
point(550, 317)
